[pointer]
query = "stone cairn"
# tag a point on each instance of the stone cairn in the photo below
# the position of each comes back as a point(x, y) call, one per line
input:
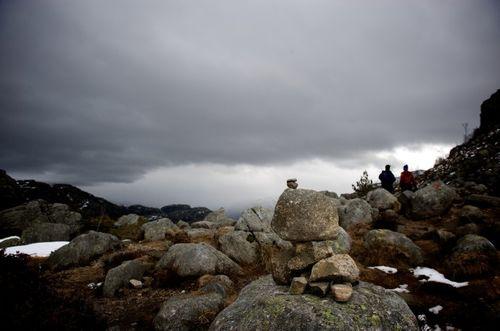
point(292, 183)
point(309, 221)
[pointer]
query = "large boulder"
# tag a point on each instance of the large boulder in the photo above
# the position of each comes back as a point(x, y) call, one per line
point(255, 219)
point(241, 246)
point(385, 247)
point(433, 200)
point(42, 232)
point(201, 235)
point(156, 230)
point(130, 219)
point(81, 250)
point(263, 305)
point(473, 255)
point(355, 211)
point(382, 199)
point(15, 220)
point(188, 260)
point(305, 215)
point(189, 312)
point(120, 276)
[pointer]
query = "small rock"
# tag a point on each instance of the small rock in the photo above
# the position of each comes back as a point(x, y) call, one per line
point(135, 283)
point(319, 288)
point(148, 281)
point(292, 183)
point(341, 292)
point(298, 285)
point(339, 267)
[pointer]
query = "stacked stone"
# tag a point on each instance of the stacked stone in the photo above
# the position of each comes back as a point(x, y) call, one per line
point(313, 263)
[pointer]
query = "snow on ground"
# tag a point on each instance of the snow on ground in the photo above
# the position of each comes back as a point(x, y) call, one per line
point(42, 249)
point(403, 288)
point(387, 270)
point(436, 309)
point(435, 276)
point(11, 237)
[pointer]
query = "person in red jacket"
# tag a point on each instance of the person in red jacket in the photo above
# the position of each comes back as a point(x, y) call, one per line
point(407, 181)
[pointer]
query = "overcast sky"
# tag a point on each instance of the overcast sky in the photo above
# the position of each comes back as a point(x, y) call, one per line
point(216, 103)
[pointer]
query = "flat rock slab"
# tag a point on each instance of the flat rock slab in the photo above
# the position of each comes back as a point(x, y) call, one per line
point(263, 305)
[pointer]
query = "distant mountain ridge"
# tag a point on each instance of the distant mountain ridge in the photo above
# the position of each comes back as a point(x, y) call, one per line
point(14, 193)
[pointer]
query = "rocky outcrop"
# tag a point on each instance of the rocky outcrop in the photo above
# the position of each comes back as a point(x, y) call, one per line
point(490, 113)
point(15, 220)
point(83, 249)
point(263, 305)
point(355, 211)
point(10, 192)
point(433, 200)
point(385, 247)
point(305, 215)
point(382, 199)
point(188, 260)
point(255, 219)
point(478, 158)
point(189, 312)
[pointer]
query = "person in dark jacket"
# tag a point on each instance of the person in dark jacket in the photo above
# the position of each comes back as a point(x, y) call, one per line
point(387, 179)
point(407, 181)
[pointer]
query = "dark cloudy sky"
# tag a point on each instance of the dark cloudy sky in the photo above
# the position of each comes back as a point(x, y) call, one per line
point(217, 102)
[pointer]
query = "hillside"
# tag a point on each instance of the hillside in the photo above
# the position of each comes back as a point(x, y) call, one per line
point(413, 260)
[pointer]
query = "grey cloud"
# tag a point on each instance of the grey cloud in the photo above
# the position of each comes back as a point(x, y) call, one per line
point(99, 92)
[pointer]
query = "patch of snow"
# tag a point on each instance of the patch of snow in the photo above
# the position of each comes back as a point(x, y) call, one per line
point(403, 288)
point(436, 309)
point(387, 270)
point(422, 317)
point(435, 276)
point(85, 204)
point(8, 238)
point(437, 328)
point(42, 249)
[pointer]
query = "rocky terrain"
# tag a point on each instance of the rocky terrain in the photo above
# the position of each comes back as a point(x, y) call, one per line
point(413, 260)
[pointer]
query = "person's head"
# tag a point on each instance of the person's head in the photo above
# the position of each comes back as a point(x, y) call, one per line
point(387, 167)
point(405, 167)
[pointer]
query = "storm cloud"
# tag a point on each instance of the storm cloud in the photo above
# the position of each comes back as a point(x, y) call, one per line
point(106, 91)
